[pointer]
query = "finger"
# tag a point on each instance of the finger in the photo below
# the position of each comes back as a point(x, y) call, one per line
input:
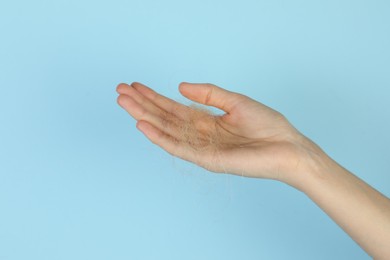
point(166, 142)
point(161, 101)
point(141, 112)
point(149, 110)
point(133, 108)
point(126, 89)
point(170, 123)
point(211, 95)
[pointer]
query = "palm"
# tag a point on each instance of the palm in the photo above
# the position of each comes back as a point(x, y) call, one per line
point(244, 141)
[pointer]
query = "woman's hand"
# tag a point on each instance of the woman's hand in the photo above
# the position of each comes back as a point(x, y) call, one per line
point(253, 140)
point(250, 139)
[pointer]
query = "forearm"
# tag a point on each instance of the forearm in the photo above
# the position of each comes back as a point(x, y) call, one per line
point(356, 207)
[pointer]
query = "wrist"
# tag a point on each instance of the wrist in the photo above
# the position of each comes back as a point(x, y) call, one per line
point(309, 164)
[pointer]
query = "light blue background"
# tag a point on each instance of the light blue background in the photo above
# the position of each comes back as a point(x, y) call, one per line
point(78, 181)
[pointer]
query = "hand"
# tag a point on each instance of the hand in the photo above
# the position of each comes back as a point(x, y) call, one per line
point(253, 140)
point(250, 139)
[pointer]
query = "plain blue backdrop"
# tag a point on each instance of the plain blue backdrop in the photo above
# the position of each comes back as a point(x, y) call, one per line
point(78, 181)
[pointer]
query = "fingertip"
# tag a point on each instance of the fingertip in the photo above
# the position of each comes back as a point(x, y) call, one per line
point(120, 87)
point(121, 100)
point(140, 125)
point(128, 102)
point(183, 87)
point(195, 91)
point(147, 129)
point(140, 86)
point(143, 126)
point(136, 83)
point(182, 84)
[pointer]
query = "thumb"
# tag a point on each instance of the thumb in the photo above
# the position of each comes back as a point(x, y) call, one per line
point(210, 95)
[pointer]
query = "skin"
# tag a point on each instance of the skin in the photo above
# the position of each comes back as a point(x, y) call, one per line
point(257, 141)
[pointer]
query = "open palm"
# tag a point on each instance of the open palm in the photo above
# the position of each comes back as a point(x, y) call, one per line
point(250, 139)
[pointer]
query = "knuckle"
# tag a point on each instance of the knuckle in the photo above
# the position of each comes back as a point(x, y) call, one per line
point(142, 112)
point(209, 95)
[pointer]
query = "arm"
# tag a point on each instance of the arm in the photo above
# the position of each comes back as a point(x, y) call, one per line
point(360, 210)
point(253, 140)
